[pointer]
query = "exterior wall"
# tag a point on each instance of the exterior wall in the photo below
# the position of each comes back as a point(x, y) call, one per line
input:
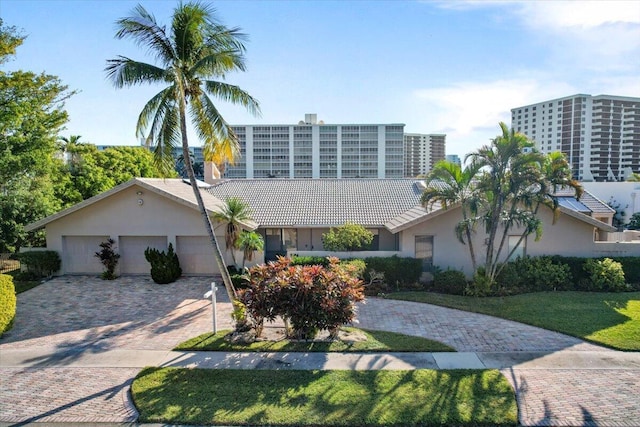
point(567, 237)
point(121, 215)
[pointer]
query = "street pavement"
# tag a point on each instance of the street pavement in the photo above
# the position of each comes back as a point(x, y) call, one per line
point(78, 342)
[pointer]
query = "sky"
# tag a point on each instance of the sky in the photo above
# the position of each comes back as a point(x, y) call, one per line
point(452, 67)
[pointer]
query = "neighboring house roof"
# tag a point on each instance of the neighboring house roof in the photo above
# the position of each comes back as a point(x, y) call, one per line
point(322, 202)
point(594, 204)
point(174, 189)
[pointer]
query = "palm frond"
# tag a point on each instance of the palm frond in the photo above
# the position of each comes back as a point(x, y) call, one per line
point(219, 148)
point(143, 29)
point(124, 71)
point(233, 94)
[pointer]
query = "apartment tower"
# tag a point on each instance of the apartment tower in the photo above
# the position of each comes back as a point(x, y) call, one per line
point(313, 149)
point(421, 152)
point(600, 135)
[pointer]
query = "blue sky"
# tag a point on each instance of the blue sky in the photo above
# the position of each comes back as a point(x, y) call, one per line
point(454, 67)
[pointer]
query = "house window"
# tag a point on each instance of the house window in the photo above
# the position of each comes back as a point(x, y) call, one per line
point(290, 237)
point(520, 249)
point(424, 251)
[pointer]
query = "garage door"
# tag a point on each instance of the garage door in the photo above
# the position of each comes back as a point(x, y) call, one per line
point(132, 249)
point(196, 255)
point(78, 254)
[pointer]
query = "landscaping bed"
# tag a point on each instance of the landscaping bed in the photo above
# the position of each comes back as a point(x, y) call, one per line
point(311, 398)
point(351, 340)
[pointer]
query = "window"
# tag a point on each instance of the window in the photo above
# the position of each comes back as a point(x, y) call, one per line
point(424, 251)
point(290, 237)
point(520, 249)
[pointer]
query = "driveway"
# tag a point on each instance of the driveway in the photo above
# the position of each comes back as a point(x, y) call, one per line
point(74, 315)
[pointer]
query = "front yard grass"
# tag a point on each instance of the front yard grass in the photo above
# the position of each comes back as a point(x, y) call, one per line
point(609, 319)
point(311, 398)
point(22, 286)
point(376, 341)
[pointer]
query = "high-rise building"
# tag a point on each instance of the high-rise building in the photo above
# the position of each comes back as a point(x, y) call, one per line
point(313, 149)
point(421, 152)
point(600, 135)
point(453, 158)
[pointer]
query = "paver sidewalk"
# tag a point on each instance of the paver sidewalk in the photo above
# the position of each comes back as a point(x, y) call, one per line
point(82, 345)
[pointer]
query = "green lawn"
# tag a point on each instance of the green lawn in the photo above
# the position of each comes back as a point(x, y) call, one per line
point(610, 319)
point(311, 398)
point(376, 341)
point(22, 286)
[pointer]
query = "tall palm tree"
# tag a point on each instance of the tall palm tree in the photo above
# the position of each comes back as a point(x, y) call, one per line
point(448, 184)
point(514, 181)
point(191, 53)
point(233, 213)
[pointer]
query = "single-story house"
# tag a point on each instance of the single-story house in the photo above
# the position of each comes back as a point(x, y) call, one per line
point(292, 215)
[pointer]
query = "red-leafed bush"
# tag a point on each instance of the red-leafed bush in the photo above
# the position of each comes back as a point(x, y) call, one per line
point(311, 298)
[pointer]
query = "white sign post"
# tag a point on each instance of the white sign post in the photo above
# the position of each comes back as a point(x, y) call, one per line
point(212, 294)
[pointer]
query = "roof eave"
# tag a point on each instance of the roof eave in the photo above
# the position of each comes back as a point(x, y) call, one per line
point(589, 220)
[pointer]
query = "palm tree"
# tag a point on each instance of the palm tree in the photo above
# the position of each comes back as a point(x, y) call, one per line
point(514, 181)
point(223, 153)
point(449, 185)
point(233, 213)
point(67, 147)
point(249, 242)
point(180, 164)
point(193, 51)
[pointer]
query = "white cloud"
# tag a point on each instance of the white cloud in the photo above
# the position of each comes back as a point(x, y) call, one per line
point(469, 112)
point(583, 14)
point(468, 106)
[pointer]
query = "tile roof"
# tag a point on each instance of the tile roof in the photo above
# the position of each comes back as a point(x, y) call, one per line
point(322, 202)
point(594, 204)
point(390, 203)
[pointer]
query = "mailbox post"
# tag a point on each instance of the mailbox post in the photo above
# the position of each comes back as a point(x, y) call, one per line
point(212, 294)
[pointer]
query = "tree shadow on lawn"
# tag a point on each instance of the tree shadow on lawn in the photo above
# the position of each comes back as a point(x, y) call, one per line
point(418, 397)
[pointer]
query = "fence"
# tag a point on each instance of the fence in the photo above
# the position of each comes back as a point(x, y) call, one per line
point(7, 265)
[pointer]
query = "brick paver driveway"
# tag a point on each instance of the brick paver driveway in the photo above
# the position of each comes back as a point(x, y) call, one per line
point(73, 314)
point(89, 314)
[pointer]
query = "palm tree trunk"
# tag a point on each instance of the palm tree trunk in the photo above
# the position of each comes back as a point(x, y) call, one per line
point(468, 232)
point(226, 278)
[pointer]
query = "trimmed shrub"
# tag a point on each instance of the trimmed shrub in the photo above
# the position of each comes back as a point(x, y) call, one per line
point(399, 273)
point(7, 302)
point(631, 268)
point(165, 267)
point(311, 297)
point(533, 274)
point(605, 275)
point(356, 267)
point(347, 237)
point(109, 259)
point(40, 263)
point(310, 260)
point(582, 281)
point(449, 282)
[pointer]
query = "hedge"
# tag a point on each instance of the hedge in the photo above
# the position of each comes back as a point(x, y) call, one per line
point(7, 302)
point(41, 263)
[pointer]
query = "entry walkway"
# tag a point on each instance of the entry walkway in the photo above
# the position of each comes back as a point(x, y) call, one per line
point(78, 342)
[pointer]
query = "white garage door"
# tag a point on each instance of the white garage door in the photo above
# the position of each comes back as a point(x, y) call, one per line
point(132, 249)
point(196, 255)
point(78, 254)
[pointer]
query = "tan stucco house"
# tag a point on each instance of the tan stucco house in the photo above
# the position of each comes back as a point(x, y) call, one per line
point(292, 215)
